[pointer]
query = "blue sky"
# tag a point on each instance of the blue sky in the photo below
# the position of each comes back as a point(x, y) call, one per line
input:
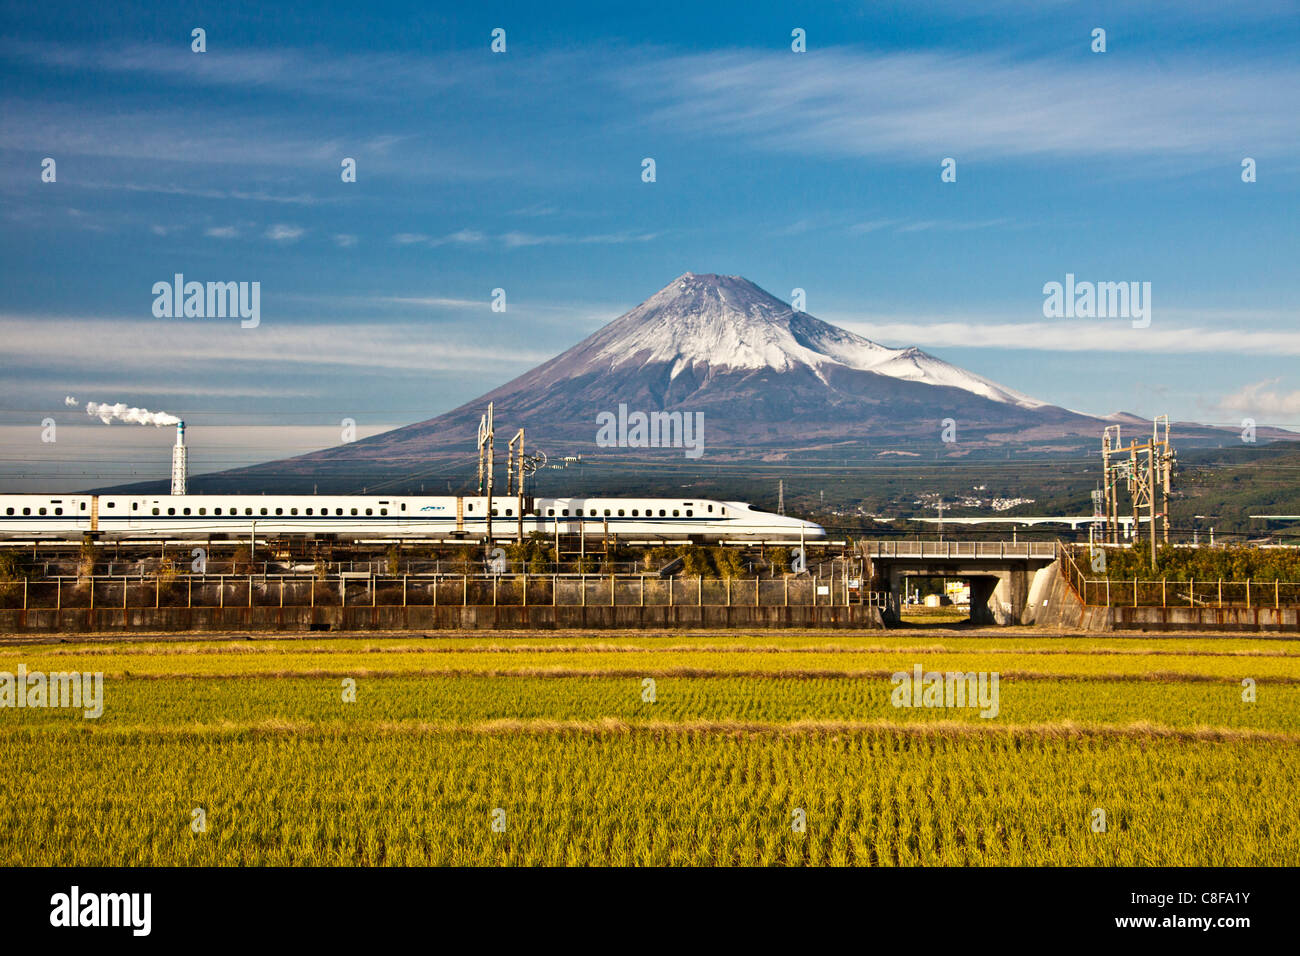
point(522, 171)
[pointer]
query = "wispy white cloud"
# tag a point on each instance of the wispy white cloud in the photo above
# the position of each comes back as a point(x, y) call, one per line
point(1261, 399)
point(211, 345)
point(926, 106)
point(1100, 335)
point(222, 232)
point(282, 232)
point(515, 240)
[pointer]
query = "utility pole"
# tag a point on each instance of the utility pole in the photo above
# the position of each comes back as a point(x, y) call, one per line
point(780, 497)
point(510, 458)
point(1149, 466)
point(485, 439)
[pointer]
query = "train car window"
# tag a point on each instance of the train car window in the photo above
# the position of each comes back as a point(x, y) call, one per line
point(675, 514)
point(171, 511)
point(578, 512)
point(58, 511)
point(724, 511)
point(690, 513)
point(279, 511)
point(83, 506)
point(42, 511)
point(662, 512)
point(354, 510)
point(550, 512)
point(216, 511)
point(635, 512)
point(496, 512)
point(155, 511)
point(185, 511)
point(510, 512)
point(203, 511)
point(710, 509)
point(339, 511)
point(469, 507)
point(263, 511)
point(403, 506)
point(369, 511)
point(606, 512)
point(620, 512)
point(27, 511)
point(9, 511)
point(383, 511)
point(308, 511)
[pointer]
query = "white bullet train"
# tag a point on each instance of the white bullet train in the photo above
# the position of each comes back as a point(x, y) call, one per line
point(371, 516)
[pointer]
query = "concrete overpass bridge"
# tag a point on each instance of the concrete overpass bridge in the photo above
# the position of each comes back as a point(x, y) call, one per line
point(1001, 573)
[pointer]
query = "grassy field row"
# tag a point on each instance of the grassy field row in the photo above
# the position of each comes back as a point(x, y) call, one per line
point(342, 662)
point(186, 704)
point(988, 642)
point(644, 798)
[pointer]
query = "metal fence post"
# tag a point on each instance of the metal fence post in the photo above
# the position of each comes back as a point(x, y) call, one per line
point(124, 583)
point(699, 590)
point(408, 565)
point(250, 590)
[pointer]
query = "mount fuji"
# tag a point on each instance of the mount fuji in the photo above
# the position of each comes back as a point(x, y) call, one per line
point(770, 383)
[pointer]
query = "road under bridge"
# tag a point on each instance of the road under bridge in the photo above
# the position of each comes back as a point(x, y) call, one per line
point(1000, 573)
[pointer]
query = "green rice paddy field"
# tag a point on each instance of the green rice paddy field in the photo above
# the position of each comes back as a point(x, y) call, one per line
point(756, 749)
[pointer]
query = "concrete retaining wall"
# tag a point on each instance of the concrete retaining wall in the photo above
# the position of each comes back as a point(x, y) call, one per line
point(1052, 604)
point(426, 617)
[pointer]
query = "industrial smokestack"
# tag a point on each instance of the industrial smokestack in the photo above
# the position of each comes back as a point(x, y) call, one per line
point(179, 464)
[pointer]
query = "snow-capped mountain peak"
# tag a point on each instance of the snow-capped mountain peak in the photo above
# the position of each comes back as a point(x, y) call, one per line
point(727, 322)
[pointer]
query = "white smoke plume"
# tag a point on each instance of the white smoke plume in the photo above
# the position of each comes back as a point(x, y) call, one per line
point(70, 401)
point(121, 412)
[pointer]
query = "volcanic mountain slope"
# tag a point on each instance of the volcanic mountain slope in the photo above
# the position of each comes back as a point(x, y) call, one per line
point(767, 379)
point(771, 383)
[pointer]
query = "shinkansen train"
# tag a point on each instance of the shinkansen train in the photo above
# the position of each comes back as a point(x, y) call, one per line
point(353, 516)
